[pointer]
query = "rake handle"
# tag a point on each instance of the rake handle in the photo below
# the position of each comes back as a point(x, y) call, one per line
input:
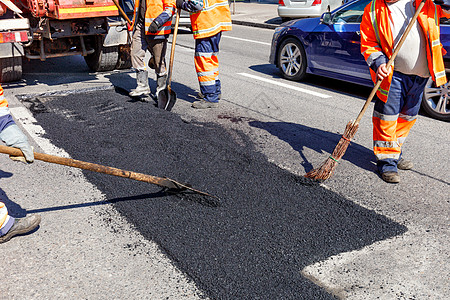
point(163, 182)
point(391, 60)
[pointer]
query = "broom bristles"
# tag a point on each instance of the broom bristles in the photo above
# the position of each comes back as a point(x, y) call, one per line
point(326, 170)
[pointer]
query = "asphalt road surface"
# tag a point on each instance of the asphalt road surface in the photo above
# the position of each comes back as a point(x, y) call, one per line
point(267, 224)
point(272, 234)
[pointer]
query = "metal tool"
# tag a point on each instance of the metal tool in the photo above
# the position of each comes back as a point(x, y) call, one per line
point(168, 97)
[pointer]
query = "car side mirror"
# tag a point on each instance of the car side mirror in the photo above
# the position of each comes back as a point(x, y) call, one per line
point(326, 18)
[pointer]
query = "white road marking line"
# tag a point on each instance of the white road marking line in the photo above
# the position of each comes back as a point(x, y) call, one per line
point(246, 40)
point(295, 88)
point(29, 123)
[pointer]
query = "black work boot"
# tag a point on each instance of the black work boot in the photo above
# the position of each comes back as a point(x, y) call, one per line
point(404, 164)
point(21, 226)
point(390, 177)
point(142, 89)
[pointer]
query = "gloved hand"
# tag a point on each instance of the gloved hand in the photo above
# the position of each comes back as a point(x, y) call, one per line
point(180, 4)
point(445, 4)
point(154, 27)
point(14, 137)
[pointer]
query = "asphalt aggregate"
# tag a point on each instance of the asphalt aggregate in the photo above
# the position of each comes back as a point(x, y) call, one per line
point(252, 241)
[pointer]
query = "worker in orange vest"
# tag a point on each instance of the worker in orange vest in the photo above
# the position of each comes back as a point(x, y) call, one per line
point(151, 26)
point(208, 19)
point(11, 134)
point(400, 93)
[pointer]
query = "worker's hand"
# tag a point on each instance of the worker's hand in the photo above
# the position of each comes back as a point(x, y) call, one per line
point(382, 72)
point(180, 4)
point(154, 27)
point(445, 4)
point(14, 137)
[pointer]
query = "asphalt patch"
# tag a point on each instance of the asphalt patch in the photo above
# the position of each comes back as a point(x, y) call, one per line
point(253, 242)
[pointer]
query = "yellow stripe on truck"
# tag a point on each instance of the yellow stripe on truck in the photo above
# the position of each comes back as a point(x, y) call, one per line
point(78, 10)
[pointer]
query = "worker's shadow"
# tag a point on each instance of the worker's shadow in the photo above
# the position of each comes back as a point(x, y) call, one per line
point(301, 137)
point(124, 84)
point(14, 209)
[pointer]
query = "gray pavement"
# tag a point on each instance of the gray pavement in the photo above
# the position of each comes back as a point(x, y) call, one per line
point(85, 250)
point(257, 14)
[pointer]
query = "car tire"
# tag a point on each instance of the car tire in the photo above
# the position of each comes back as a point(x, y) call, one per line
point(436, 101)
point(291, 59)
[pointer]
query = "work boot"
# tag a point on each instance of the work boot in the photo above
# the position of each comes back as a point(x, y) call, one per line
point(404, 164)
point(202, 104)
point(21, 226)
point(142, 89)
point(201, 96)
point(390, 177)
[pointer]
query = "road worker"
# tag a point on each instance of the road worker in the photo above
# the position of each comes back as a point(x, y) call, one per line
point(208, 20)
point(400, 94)
point(151, 26)
point(11, 134)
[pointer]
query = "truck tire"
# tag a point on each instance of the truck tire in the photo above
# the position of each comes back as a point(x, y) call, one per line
point(104, 58)
point(10, 69)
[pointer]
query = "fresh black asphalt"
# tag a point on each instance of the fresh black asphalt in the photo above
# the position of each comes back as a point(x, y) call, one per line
point(253, 242)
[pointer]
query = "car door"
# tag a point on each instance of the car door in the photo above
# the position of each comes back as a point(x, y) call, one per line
point(336, 46)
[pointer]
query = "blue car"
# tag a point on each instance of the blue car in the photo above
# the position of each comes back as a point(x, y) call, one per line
point(329, 46)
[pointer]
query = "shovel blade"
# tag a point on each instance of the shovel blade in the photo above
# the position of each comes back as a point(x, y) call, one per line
point(171, 101)
point(166, 99)
point(163, 98)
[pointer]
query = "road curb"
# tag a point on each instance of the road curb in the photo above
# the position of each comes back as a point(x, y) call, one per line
point(253, 24)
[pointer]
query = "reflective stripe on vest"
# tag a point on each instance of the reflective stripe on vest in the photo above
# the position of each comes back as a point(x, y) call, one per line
point(212, 19)
point(4, 109)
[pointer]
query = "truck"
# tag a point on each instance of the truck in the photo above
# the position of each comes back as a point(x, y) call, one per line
point(43, 29)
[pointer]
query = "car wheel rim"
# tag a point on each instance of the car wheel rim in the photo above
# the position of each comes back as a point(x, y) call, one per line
point(290, 59)
point(437, 98)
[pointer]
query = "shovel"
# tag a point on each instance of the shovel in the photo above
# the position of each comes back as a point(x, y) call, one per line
point(167, 97)
point(170, 184)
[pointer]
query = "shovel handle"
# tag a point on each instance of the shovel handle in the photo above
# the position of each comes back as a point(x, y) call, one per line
point(172, 50)
point(163, 182)
point(391, 60)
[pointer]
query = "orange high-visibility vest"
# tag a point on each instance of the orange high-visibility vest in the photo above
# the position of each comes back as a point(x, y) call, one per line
point(4, 110)
point(212, 19)
point(376, 36)
point(154, 9)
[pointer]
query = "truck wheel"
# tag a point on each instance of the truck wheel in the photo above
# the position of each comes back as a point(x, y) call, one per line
point(10, 69)
point(104, 58)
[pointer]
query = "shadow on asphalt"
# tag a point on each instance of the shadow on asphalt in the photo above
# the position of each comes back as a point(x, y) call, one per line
point(14, 209)
point(270, 224)
point(301, 137)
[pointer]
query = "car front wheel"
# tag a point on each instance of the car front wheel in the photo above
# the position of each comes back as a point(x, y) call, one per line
point(292, 59)
point(436, 101)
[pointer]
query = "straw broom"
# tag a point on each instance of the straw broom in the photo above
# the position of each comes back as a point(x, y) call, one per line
point(326, 170)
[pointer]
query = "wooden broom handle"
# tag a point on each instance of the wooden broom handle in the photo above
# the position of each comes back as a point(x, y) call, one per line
point(391, 60)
